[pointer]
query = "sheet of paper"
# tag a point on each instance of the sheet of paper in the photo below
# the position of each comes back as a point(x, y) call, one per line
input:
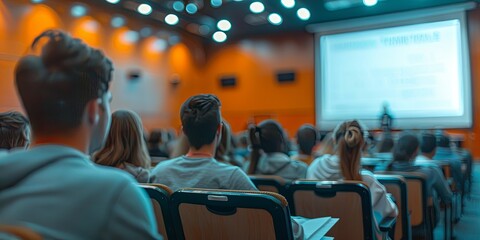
point(316, 228)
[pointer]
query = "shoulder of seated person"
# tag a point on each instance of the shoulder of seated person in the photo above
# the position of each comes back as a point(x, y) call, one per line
point(111, 174)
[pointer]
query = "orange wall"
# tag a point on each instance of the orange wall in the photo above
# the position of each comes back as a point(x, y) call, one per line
point(153, 97)
point(258, 95)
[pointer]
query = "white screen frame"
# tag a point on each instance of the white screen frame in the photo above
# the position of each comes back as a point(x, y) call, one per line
point(444, 13)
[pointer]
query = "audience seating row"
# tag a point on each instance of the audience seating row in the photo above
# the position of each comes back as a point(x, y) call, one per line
point(220, 214)
point(415, 217)
point(231, 214)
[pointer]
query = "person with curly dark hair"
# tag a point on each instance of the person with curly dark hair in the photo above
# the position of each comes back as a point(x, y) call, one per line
point(14, 130)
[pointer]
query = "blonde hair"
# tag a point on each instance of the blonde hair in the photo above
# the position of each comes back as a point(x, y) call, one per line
point(125, 142)
point(349, 139)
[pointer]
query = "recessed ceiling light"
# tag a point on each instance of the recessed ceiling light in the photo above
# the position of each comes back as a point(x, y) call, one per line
point(117, 21)
point(275, 19)
point(216, 3)
point(130, 36)
point(144, 9)
point(288, 3)
point(159, 45)
point(113, 1)
point(171, 19)
point(146, 32)
point(224, 25)
point(178, 6)
point(78, 10)
point(370, 3)
point(257, 7)
point(303, 14)
point(191, 8)
point(219, 36)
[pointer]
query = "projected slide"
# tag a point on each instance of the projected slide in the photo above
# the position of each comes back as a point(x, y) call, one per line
point(416, 69)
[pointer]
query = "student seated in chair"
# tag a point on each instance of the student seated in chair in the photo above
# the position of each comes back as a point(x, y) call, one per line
point(14, 131)
point(428, 148)
point(444, 152)
point(201, 124)
point(306, 141)
point(54, 187)
point(345, 165)
point(404, 154)
point(125, 147)
point(269, 152)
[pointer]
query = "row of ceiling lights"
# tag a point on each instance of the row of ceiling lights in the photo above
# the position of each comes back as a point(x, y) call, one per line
point(223, 25)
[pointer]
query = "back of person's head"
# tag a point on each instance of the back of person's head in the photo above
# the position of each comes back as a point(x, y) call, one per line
point(201, 118)
point(386, 144)
point(406, 148)
point(443, 141)
point(349, 140)
point(428, 144)
point(224, 148)
point(155, 138)
point(271, 136)
point(267, 136)
point(14, 130)
point(59, 85)
point(306, 138)
point(241, 139)
point(125, 142)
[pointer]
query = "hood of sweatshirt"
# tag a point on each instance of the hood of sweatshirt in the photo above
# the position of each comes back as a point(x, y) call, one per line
point(19, 164)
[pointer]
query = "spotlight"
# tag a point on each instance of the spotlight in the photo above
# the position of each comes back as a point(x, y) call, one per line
point(257, 7)
point(146, 32)
point(171, 19)
point(117, 21)
point(370, 3)
point(130, 36)
point(113, 1)
point(191, 8)
point(144, 9)
point(159, 45)
point(216, 3)
point(303, 14)
point(224, 25)
point(275, 19)
point(178, 6)
point(78, 10)
point(288, 3)
point(219, 37)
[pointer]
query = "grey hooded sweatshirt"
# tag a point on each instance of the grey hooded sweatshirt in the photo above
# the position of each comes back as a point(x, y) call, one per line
point(60, 193)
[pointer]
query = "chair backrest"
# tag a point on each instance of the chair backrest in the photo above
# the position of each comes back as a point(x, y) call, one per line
point(19, 232)
point(269, 183)
point(350, 201)
point(397, 186)
point(230, 214)
point(418, 200)
point(160, 197)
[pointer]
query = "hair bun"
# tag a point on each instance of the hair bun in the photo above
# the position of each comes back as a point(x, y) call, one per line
point(353, 136)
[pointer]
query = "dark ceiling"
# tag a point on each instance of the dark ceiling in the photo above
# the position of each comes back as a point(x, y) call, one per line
point(246, 24)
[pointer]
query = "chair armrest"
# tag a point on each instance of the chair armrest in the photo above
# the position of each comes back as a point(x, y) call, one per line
point(387, 224)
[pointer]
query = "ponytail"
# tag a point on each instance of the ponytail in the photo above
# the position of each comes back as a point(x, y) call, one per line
point(254, 136)
point(350, 140)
